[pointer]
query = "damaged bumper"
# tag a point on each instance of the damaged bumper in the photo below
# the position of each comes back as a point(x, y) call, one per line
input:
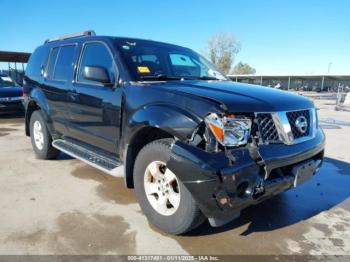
point(222, 185)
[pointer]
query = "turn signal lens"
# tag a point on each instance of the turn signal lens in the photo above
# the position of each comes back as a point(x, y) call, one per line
point(216, 126)
point(219, 132)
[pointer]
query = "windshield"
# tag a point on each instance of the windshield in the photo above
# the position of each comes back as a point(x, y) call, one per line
point(6, 81)
point(148, 60)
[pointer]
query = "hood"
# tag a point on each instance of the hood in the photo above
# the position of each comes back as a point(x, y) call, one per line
point(10, 91)
point(239, 97)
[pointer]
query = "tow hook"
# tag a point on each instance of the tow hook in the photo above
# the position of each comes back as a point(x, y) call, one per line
point(258, 191)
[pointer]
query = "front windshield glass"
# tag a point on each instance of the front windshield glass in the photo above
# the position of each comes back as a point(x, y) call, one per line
point(149, 61)
point(6, 81)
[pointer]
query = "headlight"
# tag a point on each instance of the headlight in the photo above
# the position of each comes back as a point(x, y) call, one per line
point(229, 130)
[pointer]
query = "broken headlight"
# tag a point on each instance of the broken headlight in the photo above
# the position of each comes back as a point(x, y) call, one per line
point(229, 130)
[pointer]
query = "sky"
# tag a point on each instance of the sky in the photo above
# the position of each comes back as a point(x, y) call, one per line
point(276, 36)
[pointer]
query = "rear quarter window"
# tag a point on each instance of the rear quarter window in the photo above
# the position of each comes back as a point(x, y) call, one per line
point(36, 62)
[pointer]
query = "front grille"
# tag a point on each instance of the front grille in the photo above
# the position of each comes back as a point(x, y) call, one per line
point(292, 117)
point(268, 132)
point(267, 129)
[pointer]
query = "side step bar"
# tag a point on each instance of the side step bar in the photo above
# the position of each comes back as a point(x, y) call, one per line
point(105, 164)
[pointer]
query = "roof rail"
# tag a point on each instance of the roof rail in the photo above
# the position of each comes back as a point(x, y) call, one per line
point(63, 37)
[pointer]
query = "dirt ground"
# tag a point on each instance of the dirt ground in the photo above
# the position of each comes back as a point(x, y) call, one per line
point(66, 207)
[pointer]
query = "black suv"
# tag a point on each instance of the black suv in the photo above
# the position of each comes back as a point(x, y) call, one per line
point(194, 145)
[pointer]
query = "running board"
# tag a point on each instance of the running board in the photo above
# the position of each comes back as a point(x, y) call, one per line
point(105, 164)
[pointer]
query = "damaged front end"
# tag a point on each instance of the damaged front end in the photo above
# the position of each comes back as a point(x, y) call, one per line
point(227, 169)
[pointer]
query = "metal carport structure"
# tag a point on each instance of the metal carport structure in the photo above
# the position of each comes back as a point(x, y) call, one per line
point(14, 57)
point(325, 82)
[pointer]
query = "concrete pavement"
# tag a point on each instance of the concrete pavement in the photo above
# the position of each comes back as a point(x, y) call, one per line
point(66, 207)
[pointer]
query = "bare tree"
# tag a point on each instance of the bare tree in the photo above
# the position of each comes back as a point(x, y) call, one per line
point(222, 49)
point(243, 69)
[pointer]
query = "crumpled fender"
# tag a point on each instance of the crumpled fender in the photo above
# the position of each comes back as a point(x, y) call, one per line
point(174, 120)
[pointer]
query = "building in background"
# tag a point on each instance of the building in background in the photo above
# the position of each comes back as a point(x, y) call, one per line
point(13, 64)
point(318, 83)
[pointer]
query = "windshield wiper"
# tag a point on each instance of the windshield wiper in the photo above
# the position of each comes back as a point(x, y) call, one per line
point(201, 78)
point(160, 77)
point(208, 78)
point(166, 77)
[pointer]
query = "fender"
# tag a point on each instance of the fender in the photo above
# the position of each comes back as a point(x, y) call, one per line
point(170, 118)
point(38, 97)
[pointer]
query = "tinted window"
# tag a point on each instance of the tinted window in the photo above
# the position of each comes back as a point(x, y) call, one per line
point(52, 62)
point(145, 58)
point(96, 54)
point(6, 81)
point(36, 61)
point(148, 60)
point(181, 60)
point(64, 63)
point(184, 65)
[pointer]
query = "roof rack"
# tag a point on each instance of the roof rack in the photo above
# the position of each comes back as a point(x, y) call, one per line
point(63, 37)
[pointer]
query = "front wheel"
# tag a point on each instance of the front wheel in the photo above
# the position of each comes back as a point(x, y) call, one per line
point(165, 201)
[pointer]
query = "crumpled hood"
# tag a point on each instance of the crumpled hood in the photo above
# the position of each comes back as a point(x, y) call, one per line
point(238, 97)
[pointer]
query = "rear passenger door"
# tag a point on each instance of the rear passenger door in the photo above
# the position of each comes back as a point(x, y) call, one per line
point(57, 82)
point(95, 112)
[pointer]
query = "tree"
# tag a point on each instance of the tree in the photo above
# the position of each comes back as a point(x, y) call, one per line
point(243, 69)
point(222, 49)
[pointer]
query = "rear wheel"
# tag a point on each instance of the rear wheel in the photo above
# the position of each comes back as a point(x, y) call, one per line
point(165, 201)
point(41, 138)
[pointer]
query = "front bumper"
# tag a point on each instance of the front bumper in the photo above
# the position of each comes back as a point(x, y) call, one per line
point(222, 186)
point(13, 106)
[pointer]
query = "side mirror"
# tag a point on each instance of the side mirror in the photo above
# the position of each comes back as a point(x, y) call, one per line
point(96, 73)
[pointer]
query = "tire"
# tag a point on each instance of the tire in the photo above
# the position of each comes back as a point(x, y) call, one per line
point(41, 138)
point(178, 218)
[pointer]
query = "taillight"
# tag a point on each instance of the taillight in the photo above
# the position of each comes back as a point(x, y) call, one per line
point(23, 83)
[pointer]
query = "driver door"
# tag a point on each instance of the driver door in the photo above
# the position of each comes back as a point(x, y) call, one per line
point(95, 107)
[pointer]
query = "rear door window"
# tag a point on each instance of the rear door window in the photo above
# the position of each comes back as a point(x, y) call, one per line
point(61, 63)
point(64, 63)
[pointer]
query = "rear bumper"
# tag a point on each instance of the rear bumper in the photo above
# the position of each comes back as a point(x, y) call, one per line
point(222, 188)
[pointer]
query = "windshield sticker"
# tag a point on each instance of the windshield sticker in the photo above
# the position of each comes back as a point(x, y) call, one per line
point(143, 70)
point(131, 43)
point(126, 47)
